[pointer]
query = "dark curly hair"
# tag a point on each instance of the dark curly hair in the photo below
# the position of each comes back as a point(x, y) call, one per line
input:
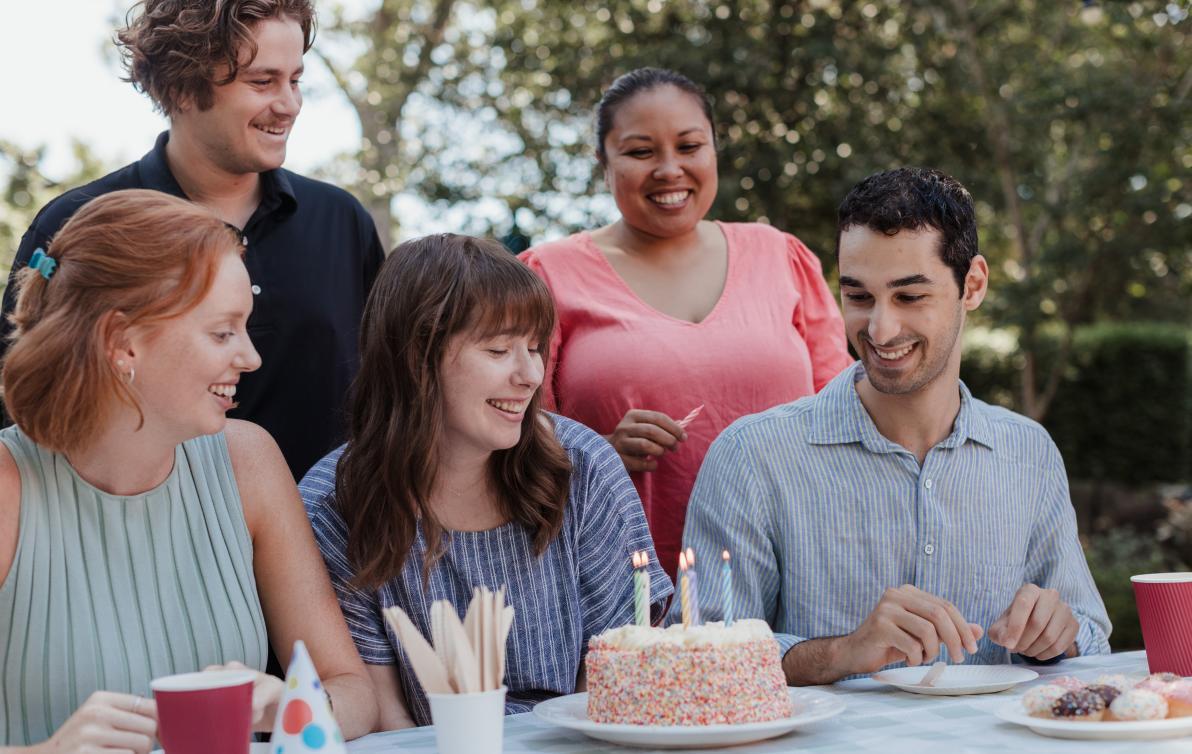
point(913, 198)
point(172, 48)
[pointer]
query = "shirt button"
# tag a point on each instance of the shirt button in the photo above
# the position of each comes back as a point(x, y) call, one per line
point(927, 484)
point(929, 549)
point(256, 289)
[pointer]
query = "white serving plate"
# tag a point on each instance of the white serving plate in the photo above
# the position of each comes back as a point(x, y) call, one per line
point(572, 712)
point(256, 748)
point(957, 680)
point(1012, 712)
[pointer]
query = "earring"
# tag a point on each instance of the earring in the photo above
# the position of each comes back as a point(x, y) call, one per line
point(132, 374)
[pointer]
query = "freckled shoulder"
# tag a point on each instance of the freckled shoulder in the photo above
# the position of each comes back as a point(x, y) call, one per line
point(262, 475)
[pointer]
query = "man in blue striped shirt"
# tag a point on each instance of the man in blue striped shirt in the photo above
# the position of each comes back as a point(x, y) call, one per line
point(893, 513)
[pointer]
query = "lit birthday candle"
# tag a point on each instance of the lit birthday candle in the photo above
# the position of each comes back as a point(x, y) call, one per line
point(645, 617)
point(684, 594)
point(696, 618)
point(726, 574)
point(638, 604)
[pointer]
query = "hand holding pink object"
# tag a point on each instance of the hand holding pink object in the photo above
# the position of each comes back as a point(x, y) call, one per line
point(643, 436)
point(691, 416)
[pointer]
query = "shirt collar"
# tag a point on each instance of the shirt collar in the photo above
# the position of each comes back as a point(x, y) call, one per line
point(840, 418)
point(277, 193)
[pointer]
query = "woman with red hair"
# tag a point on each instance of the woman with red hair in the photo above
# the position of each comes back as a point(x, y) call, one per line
point(142, 533)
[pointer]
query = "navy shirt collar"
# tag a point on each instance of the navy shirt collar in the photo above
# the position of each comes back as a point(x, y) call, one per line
point(277, 194)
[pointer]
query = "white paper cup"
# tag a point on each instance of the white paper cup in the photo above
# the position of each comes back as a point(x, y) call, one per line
point(469, 723)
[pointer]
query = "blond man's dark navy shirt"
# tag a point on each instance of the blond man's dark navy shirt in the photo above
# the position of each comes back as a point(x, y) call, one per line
point(312, 255)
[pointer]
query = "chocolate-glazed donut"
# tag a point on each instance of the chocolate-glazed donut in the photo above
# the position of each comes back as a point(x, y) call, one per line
point(1079, 706)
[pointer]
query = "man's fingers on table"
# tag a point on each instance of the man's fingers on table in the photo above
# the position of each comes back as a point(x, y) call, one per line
point(923, 632)
point(908, 645)
point(1041, 614)
point(1055, 637)
point(950, 626)
point(1016, 615)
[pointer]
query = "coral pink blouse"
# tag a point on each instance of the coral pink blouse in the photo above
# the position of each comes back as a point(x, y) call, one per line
point(775, 335)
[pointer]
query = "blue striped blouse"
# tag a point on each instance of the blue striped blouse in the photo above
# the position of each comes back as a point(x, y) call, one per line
point(822, 513)
point(579, 587)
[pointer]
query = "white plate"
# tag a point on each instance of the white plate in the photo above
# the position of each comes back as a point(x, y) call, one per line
point(958, 679)
point(572, 712)
point(1012, 712)
point(257, 748)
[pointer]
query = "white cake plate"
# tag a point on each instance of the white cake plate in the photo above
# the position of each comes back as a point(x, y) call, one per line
point(810, 706)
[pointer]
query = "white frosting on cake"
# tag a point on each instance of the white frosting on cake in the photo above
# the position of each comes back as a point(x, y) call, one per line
point(708, 634)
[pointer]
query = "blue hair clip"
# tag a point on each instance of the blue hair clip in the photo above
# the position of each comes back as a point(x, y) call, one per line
point(43, 263)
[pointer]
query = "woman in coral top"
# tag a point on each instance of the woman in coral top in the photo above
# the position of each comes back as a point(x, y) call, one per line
point(663, 311)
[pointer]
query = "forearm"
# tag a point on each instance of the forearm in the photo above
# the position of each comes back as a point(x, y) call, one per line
point(815, 661)
point(354, 704)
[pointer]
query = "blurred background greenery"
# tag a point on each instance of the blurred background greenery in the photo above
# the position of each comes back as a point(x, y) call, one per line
point(1068, 121)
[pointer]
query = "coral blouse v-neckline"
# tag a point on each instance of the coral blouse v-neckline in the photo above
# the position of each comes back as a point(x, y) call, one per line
point(730, 265)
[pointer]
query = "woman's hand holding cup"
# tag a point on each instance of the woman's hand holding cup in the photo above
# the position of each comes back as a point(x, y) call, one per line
point(106, 721)
point(267, 691)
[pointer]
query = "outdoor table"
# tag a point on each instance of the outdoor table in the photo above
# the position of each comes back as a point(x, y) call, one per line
point(877, 718)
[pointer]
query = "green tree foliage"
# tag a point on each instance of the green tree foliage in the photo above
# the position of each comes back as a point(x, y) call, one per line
point(1069, 124)
point(26, 189)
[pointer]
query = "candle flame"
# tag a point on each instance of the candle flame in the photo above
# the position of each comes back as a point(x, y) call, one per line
point(682, 562)
point(725, 556)
point(690, 557)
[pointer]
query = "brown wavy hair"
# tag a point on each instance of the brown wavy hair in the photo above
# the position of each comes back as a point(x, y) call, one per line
point(133, 257)
point(427, 291)
point(173, 49)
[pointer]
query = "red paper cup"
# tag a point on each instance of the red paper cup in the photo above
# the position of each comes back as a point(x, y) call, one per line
point(203, 713)
point(1165, 612)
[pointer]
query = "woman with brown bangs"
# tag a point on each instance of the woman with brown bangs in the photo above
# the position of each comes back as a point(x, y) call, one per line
point(454, 478)
point(142, 533)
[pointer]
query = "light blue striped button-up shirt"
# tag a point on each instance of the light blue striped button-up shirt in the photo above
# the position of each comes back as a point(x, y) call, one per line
point(822, 513)
point(582, 585)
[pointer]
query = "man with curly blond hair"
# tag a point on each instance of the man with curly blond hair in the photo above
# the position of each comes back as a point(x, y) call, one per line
point(226, 74)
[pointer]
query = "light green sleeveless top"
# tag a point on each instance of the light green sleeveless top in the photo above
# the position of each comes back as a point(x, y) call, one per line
point(109, 592)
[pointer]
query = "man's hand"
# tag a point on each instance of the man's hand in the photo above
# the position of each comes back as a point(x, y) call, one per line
point(1037, 624)
point(907, 625)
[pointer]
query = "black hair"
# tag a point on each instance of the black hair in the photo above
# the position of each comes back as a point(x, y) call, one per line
point(641, 80)
point(913, 198)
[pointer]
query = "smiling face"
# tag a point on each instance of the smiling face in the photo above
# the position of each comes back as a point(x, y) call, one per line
point(487, 384)
point(660, 162)
point(902, 311)
point(187, 367)
point(246, 128)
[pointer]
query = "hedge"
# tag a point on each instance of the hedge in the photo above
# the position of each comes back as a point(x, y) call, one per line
point(1123, 411)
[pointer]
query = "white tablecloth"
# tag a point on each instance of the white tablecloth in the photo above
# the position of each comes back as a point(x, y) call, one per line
point(878, 719)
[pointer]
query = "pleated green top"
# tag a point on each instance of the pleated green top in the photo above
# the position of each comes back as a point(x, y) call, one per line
point(108, 592)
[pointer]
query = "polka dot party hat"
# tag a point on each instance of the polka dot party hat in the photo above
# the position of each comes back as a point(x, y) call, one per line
point(305, 724)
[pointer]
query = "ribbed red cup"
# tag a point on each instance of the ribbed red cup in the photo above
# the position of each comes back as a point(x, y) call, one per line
point(205, 713)
point(1165, 612)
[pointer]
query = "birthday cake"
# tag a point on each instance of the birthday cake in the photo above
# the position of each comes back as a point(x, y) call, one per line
point(702, 675)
